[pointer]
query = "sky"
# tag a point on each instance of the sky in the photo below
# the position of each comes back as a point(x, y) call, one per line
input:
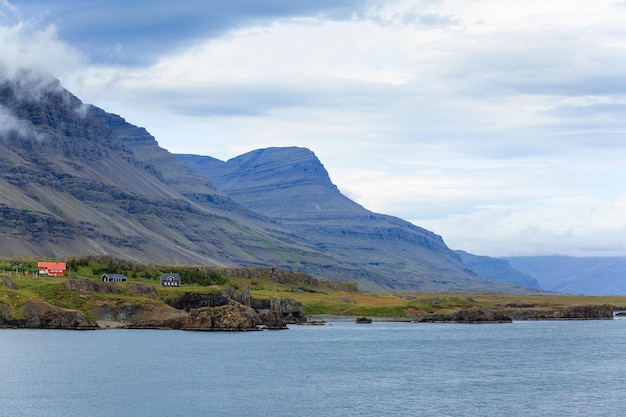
point(498, 124)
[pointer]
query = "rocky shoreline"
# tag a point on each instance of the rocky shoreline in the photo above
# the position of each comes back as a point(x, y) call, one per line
point(487, 315)
point(229, 310)
point(226, 311)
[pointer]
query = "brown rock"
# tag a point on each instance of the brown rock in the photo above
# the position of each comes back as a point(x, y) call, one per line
point(274, 319)
point(235, 316)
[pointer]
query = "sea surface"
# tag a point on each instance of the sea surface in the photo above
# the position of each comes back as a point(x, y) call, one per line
point(538, 368)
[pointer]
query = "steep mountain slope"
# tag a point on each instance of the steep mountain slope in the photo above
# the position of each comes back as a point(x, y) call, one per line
point(71, 185)
point(76, 180)
point(493, 269)
point(292, 186)
point(573, 275)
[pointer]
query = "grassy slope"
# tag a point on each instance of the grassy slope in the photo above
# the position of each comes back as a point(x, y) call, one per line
point(316, 296)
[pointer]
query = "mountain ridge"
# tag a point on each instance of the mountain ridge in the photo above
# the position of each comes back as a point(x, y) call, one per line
point(76, 180)
point(291, 185)
point(575, 275)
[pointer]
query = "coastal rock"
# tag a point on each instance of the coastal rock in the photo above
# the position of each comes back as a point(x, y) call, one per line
point(233, 316)
point(363, 320)
point(590, 312)
point(290, 310)
point(274, 320)
point(198, 319)
point(474, 315)
point(587, 312)
point(127, 314)
point(191, 301)
point(41, 315)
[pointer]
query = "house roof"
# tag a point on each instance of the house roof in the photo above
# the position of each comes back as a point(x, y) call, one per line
point(114, 275)
point(51, 265)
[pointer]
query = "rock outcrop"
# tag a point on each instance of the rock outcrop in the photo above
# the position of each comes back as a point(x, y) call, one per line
point(274, 320)
point(87, 286)
point(517, 312)
point(285, 309)
point(42, 315)
point(233, 316)
point(587, 312)
point(473, 315)
point(228, 310)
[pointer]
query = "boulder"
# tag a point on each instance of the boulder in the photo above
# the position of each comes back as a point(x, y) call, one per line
point(234, 316)
point(274, 320)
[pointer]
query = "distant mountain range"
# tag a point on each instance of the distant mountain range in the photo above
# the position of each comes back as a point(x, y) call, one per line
point(575, 275)
point(76, 180)
point(499, 270)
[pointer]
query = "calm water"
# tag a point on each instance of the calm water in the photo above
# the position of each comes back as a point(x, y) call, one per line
point(572, 368)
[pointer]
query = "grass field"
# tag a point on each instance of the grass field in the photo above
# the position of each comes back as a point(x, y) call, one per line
point(316, 296)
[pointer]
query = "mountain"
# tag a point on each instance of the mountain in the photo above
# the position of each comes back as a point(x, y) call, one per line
point(494, 269)
point(575, 275)
point(73, 182)
point(292, 186)
point(76, 180)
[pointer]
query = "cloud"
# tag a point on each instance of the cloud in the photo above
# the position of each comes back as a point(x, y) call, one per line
point(141, 31)
point(9, 123)
point(498, 233)
point(25, 45)
point(489, 122)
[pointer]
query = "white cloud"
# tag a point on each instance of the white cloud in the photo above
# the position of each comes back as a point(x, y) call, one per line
point(25, 45)
point(492, 122)
point(9, 123)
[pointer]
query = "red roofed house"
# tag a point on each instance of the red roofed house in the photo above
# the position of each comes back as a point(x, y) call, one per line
point(51, 268)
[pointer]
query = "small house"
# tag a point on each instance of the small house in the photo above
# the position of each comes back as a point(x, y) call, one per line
point(56, 269)
point(170, 280)
point(113, 278)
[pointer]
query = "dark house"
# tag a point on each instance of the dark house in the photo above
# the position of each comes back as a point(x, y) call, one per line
point(113, 278)
point(170, 280)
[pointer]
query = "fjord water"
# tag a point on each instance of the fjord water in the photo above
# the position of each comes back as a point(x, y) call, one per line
point(544, 368)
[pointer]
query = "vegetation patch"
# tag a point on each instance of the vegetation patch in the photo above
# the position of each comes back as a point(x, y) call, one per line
point(316, 296)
